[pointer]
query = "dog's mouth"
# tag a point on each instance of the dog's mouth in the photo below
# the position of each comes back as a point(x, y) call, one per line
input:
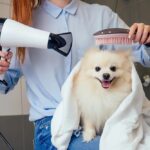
point(105, 83)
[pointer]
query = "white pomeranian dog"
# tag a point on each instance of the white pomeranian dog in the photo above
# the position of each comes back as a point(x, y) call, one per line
point(100, 85)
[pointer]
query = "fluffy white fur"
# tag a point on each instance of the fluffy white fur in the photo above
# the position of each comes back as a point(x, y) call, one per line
point(98, 98)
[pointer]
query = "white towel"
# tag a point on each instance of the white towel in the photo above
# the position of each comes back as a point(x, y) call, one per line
point(127, 129)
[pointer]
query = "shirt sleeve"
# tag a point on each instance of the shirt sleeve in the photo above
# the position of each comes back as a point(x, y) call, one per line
point(141, 53)
point(12, 76)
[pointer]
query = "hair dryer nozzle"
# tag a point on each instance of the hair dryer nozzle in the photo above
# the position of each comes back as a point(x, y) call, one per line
point(56, 40)
point(62, 43)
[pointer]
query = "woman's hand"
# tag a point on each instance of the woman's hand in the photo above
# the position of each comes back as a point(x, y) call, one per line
point(5, 61)
point(139, 32)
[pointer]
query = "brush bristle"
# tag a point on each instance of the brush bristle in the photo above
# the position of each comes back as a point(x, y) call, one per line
point(112, 39)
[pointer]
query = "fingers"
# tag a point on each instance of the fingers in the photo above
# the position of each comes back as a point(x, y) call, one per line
point(6, 55)
point(5, 61)
point(3, 54)
point(145, 35)
point(4, 65)
point(9, 56)
point(139, 32)
point(132, 31)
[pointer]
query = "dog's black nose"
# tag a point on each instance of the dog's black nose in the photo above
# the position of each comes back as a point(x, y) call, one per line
point(106, 76)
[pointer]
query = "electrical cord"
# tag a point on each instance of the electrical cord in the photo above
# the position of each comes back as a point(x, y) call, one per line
point(6, 142)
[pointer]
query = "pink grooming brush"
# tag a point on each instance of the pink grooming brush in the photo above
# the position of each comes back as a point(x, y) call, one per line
point(113, 36)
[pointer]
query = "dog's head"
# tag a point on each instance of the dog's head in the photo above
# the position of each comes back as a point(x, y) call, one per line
point(107, 67)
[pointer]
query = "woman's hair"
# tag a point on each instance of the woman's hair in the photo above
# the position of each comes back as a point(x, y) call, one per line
point(22, 12)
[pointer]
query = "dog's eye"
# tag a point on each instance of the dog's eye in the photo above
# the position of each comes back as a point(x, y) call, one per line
point(113, 68)
point(97, 69)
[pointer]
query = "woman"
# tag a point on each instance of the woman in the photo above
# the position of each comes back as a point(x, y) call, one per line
point(45, 70)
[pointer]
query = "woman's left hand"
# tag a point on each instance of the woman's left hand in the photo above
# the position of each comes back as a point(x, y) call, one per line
point(139, 32)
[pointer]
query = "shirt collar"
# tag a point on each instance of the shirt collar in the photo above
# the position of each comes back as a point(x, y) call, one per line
point(55, 11)
point(72, 7)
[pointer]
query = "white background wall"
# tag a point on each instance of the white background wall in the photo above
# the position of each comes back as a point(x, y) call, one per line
point(15, 102)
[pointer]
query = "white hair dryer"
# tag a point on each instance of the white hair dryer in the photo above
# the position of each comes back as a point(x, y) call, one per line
point(15, 34)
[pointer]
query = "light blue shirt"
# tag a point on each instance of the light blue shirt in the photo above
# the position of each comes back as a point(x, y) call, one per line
point(46, 70)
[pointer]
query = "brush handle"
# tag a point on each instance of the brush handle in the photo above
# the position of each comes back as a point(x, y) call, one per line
point(112, 31)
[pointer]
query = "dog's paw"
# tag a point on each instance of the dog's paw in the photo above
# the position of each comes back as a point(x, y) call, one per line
point(88, 135)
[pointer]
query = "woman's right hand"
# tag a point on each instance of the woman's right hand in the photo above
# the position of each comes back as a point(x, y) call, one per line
point(5, 58)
